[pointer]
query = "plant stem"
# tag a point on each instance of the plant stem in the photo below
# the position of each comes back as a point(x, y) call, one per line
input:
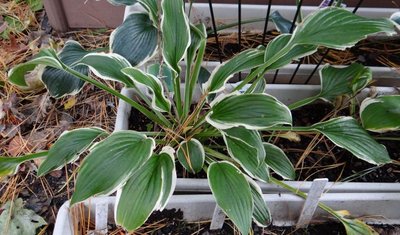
point(290, 128)
point(34, 156)
point(131, 102)
point(216, 154)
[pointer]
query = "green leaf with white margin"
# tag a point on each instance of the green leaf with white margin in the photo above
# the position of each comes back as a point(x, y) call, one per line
point(60, 83)
point(247, 59)
point(47, 57)
point(136, 39)
point(339, 81)
point(197, 34)
point(191, 155)
point(168, 175)
point(343, 81)
point(148, 187)
point(175, 31)
point(252, 111)
point(296, 52)
point(111, 162)
point(232, 193)
point(165, 73)
point(346, 133)
point(68, 147)
point(381, 114)
point(152, 7)
point(122, 2)
point(338, 28)
point(17, 220)
point(261, 214)
point(250, 137)
point(277, 160)
point(158, 101)
point(108, 66)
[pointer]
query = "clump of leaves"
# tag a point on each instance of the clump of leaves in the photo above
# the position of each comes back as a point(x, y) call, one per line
point(141, 166)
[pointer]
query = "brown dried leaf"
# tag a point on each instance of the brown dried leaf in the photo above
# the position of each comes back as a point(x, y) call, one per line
point(18, 145)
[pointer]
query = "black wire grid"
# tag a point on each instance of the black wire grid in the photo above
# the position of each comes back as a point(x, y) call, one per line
point(269, 3)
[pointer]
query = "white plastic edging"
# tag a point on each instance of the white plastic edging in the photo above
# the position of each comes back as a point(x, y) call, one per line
point(223, 14)
point(201, 186)
point(373, 208)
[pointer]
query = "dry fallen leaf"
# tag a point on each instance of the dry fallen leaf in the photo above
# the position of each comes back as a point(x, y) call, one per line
point(70, 103)
point(17, 146)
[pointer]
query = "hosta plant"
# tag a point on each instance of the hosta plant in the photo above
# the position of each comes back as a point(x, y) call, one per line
point(141, 166)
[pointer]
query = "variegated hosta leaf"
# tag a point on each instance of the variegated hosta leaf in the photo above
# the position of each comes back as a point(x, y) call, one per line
point(339, 81)
point(47, 57)
point(252, 111)
point(145, 191)
point(158, 101)
point(232, 193)
point(108, 66)
point(152, 8)
point(122, 2)
point(175, 32)
point(59, 82)
point(168, 175)
point(68, 147)
point(338, 28)
point(191, 155)
point(381, 114)
point(245, 146)
point(261, 215)
point(250, 137)
point(296, 52)
point(346, 133)
point(135, 39)
point(197, 34)
point(343, 81)
point(247, 59)
point(277, 160)
point(165, 75)
point(283, 25)
point(111, 162)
